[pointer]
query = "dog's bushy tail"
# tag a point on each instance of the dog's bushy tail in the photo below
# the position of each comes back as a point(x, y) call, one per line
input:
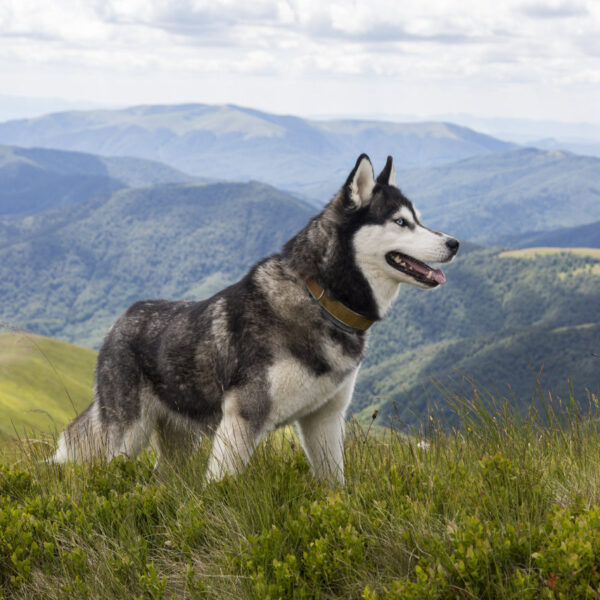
point(82, 440)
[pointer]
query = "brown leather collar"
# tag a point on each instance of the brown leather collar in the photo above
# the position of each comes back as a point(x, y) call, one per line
point(336, 309)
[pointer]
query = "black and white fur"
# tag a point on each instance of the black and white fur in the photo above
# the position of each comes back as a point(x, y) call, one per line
point(261, 353)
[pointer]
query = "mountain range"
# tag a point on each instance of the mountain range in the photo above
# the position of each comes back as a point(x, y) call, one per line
point(236, 143)
point(502, 194)
point(586, 236)
point(33, 180)
point(460, 179)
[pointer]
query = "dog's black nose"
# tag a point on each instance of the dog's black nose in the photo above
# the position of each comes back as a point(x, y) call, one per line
point(453, 245)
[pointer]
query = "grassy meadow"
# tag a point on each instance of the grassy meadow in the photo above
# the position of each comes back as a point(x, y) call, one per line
point(44, 383)
point(547, 251)
point(505, 506)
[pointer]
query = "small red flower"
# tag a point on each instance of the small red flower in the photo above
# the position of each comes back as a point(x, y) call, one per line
point(551, 583)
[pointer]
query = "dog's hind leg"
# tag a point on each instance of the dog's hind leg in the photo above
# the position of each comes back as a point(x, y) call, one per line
point(128, 440)
point(234, 442)
point(322, 434)
point(84, 439)
point(175, 440)
point(130, 436)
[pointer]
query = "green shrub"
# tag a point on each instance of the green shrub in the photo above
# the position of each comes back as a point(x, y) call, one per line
point(314, 551)
point(505, 508)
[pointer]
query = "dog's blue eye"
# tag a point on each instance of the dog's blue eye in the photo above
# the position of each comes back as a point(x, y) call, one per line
point(401, 222)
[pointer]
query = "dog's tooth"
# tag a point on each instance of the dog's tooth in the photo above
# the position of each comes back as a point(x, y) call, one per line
point(430, 275)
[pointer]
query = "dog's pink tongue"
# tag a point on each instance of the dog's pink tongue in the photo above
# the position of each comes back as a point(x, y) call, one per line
point(438, 275)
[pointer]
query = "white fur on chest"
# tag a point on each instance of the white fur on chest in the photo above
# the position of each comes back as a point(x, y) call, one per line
point(295, 390)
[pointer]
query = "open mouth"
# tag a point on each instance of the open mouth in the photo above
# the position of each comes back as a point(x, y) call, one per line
point(416, 269)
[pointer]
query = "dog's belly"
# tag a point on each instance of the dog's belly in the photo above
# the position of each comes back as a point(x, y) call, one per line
point(295, 391)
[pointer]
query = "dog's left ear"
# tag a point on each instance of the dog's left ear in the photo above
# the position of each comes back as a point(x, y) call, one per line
point(358, 188)
point(388, 175)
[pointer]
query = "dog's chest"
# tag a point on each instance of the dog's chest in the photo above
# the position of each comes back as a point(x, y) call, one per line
point(295, 390)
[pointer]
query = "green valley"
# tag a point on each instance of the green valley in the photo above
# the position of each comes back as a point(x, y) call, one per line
point(502, 320)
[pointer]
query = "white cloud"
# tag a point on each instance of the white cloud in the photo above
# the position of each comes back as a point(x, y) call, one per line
point(467, 44)
point(554, 10)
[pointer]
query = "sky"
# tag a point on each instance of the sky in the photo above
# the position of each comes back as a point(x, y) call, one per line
point(511, 58)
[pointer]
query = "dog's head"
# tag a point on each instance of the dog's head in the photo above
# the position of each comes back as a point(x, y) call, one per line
point(388, 238)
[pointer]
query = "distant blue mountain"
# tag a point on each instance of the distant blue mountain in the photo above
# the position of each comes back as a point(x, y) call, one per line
point(584, 236)
point(487, 198)
point(236, 143)
point(584, 147)
point(37, 179)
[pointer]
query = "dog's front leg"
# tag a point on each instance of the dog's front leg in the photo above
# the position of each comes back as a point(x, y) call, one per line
point(234, 442)
point(322, 434)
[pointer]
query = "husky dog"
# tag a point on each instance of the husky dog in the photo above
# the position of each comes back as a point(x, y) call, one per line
point(283, 345)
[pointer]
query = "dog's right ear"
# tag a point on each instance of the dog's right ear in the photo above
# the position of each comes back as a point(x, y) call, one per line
point(358, 188)
point(388, 175)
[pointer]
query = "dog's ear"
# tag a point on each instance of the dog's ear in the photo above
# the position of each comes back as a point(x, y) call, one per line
point(358, 188)
point(388, 175)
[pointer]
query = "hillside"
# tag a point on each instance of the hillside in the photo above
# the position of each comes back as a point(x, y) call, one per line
point(515, 365)
point(500, 319)
point(69, 273)
point(236, 143)
point(488, 291)
point(37, 179)
point(490, 197)
point(44, 383)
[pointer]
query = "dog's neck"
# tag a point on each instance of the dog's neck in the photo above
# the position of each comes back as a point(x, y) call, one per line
point(362, 286)
point(383, 288)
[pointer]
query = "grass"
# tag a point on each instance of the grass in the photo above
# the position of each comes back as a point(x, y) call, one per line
point(588, 270)
point(532, 253)
point(504, 507)
point(545, 251)
point(44, 383)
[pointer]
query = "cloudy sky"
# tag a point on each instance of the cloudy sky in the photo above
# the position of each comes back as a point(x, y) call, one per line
point(512, 58)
